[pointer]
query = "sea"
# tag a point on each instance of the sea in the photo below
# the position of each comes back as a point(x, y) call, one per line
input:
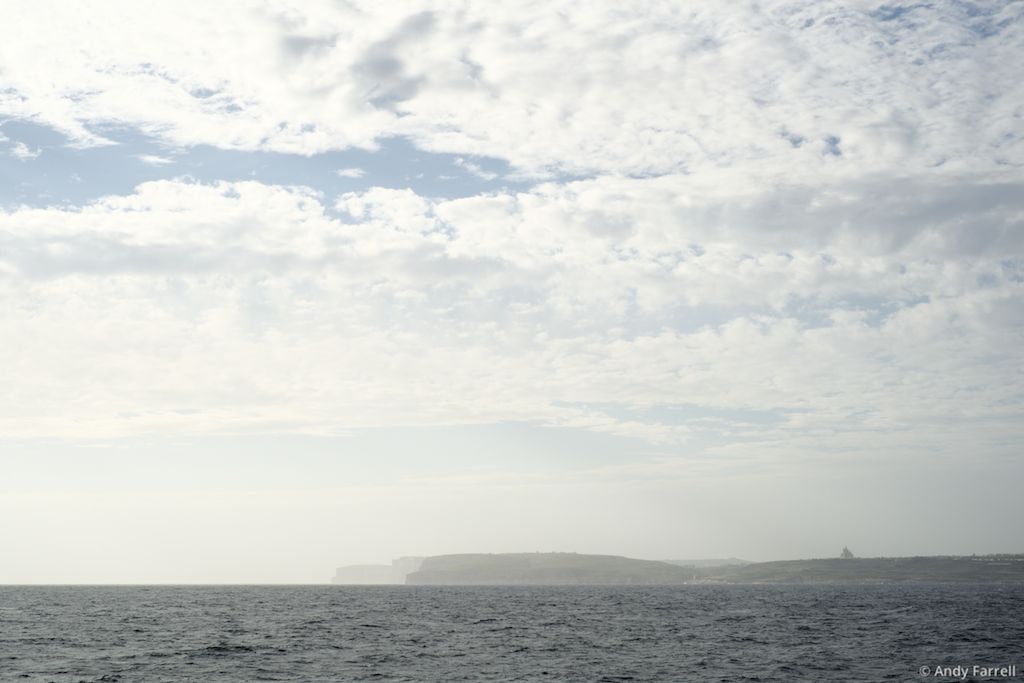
point(919, 632)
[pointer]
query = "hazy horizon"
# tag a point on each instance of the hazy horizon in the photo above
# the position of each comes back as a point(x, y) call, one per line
point(291, 286)
point(328, 581)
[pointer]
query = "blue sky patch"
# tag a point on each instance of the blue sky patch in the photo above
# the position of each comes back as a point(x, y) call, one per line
point(41, 167)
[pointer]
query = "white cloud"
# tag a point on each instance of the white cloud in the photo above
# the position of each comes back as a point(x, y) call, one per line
point(475, 169)
point(21, 151)
point(155, 160)
point(784, 89)
point(351, 172)
point(240, 306)
point(811, 210)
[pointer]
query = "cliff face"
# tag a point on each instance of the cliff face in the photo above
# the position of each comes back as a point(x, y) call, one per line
point(544, 569)
point(377, 574)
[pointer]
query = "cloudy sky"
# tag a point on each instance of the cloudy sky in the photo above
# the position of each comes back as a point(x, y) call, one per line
point(288, 285)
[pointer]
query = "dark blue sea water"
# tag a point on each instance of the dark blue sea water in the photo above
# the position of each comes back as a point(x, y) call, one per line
point(336, 633)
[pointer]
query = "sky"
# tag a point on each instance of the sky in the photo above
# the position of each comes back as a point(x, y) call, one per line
point(291, 285)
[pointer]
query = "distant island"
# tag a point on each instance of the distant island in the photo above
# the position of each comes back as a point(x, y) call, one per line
point(940, 569)
point(544, 568)
point(564, 569)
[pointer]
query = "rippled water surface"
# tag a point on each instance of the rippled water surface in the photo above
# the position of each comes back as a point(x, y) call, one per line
point(338, 633)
